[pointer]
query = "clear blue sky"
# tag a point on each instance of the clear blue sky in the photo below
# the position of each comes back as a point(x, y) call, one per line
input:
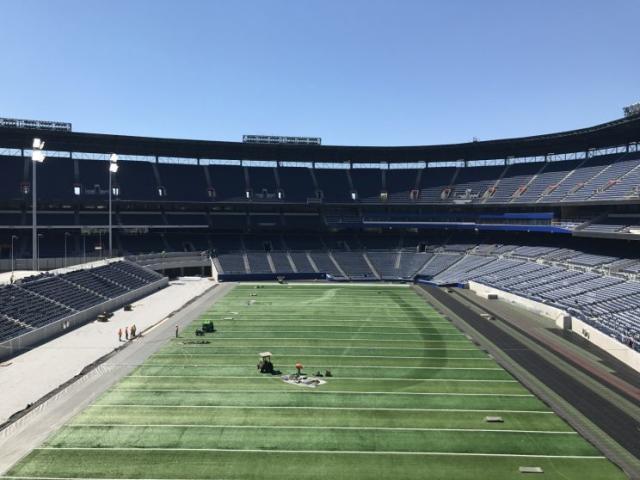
point(361, 72)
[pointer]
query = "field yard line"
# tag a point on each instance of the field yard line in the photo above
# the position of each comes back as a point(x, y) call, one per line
point(286, 314)
point(321, 392)
point(263, 339)
point(356, 331)
point(302, 427)
point(344, 310)
point(335, 302)
point(253, 377)
point(408, 323)
point(475, 359)
point(264, 320)
point(275, 341)
point(330, 452)
point(367, 409)
point(364, 285)
point(324, 366)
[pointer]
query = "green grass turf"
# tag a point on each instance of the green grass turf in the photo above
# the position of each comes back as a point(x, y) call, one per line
point(407, 400)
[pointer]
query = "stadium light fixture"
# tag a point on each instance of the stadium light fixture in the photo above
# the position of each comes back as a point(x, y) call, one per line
point(113, 168)
point(37, 156)
point(113, 163)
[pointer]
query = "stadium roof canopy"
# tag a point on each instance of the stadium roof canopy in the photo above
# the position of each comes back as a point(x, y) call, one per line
point(618, 132)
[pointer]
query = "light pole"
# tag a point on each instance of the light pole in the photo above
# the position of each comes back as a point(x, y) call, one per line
point(38, 249)
point(66, 234)
point(37, 156)
point(113, 168)
point(13, 237)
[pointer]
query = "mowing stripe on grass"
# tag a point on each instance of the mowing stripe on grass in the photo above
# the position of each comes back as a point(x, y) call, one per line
point(221, 339)
point(319, 452)
point(274, 344)
point(366, 409)
point(303, 427)
point(377, 367)
point(359, 330)
point(403, 379)
point(344, 318)
point(327, 355)
point(320, 392)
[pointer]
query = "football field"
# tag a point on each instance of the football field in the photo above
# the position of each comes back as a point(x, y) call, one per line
point(408, 399)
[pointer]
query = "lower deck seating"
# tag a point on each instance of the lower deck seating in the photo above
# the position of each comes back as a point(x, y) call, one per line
point(258, 262)
point(325, 264)
point(36, 301)
point(281, 262)
point(61, 291)
point(10, 328)
point(611, 304)
point(232, 263)
point(301, 261)
point(94, 283)
point(354, 265)
point(27, 307)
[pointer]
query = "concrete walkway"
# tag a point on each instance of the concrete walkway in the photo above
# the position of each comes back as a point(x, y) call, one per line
point(28, 377)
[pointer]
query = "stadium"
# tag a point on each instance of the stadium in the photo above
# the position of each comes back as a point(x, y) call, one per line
point(455, 307)
point(320, 240)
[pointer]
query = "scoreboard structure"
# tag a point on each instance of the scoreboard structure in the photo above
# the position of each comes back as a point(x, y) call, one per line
point(280, 140)
point(35, 124)
point(632, 110)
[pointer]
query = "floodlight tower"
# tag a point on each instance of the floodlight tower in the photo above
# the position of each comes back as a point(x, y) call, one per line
point(113, 168)
point(13, 267)
point(37, 156)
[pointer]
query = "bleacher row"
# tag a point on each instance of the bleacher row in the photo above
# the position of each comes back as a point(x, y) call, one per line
point(352, 265)
point(614, 224)
point(599, 178)
point(610, 303)
point(36, 301)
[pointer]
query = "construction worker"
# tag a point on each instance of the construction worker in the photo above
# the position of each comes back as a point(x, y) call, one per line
point(120, 334)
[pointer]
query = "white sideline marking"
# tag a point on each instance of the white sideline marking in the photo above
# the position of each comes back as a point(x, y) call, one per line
point(287, 317)
point(344, 317)
point(286, 314)
point(330, 452)
point(321, 392)
point(302, 427)
point(262, 339)
point(253, 377)
point(40, 477)
point(274, 341)
point(182, 365)
point(366, 409)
